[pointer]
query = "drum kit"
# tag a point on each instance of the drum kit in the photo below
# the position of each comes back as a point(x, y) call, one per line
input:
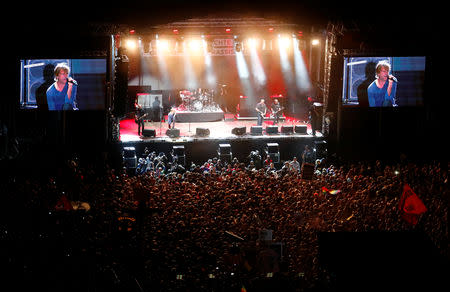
point(201, 100)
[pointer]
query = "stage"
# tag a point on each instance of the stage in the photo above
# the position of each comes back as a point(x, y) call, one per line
point(200, 148)
point(221, 129)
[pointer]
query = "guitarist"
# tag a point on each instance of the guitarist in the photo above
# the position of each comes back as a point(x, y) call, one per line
point(276, 111)
point(139, 118)
point(261, 109)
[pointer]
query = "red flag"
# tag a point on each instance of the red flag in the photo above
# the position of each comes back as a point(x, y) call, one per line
point(410, 205)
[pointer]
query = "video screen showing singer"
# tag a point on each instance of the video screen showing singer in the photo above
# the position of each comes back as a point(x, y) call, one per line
point(381, 92)
point(62, 94)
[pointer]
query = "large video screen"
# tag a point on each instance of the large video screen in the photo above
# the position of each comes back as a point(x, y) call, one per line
point(383, 81)
point(63, 84)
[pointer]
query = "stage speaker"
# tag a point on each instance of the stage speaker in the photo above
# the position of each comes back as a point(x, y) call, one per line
point(272, 129)
point(202, 132)
point(121, 69)
point(287, 129)
point(256, 130)
point(321, 149)
point(149, 133)
point(129, 157)
point(301, 129)
point(224, 149)
point(239, 131)
point(178, 150)
point(272, 147)
point(173, 133)
point(129, 152)
point(273, 152)
point(224, 152)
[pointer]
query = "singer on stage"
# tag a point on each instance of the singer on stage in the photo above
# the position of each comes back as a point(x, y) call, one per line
point(171, 118)
point(62, 95)
point(381, 92)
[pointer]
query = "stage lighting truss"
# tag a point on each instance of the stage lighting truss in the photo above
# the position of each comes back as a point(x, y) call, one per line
point(220, 45)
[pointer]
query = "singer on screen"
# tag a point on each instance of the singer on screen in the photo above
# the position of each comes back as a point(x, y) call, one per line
point(62, 94)
point(381, 92)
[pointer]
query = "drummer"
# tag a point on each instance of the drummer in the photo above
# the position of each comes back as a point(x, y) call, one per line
point(199, 93)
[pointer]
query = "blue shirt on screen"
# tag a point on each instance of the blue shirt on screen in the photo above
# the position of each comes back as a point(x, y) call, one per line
point(58, 100)
point(379, 96)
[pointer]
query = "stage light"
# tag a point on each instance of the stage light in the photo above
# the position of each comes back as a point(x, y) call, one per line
point(131, 44)
point(175, 31)
point(257, 68)
point(270, 29)
point(267, 44)
point(162, 46)
point(195, 45)
point(284, 42)
point(302, 79)
point(228, 30)
point(315, 42)
point(252, 43)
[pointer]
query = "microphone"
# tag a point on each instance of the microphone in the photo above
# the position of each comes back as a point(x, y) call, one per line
point(392, 78)
point(71, 80)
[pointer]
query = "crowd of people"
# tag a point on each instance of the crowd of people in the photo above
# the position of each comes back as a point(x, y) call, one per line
point(219, 226)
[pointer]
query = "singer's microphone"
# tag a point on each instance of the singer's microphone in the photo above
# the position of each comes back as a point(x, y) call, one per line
point(72, 81)
point(392, 78)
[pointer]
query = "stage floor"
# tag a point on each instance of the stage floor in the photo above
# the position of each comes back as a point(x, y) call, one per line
point(218, 130)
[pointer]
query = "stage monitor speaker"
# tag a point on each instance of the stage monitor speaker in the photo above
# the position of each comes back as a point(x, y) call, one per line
point(173, 132)
point(224, 149)
point(288, 129)
point(321, 149)
point(129, 157)
point(256, 130)
point(239, 131)
point(178, 150)
point(149, 133)
point(202, 132)
point(272, 129)
point(272, 147)
point(301, 129)
point(129, 152)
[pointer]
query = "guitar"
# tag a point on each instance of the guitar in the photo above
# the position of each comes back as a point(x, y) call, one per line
point(274, 113)
point(261, 113)
point(139, 119)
